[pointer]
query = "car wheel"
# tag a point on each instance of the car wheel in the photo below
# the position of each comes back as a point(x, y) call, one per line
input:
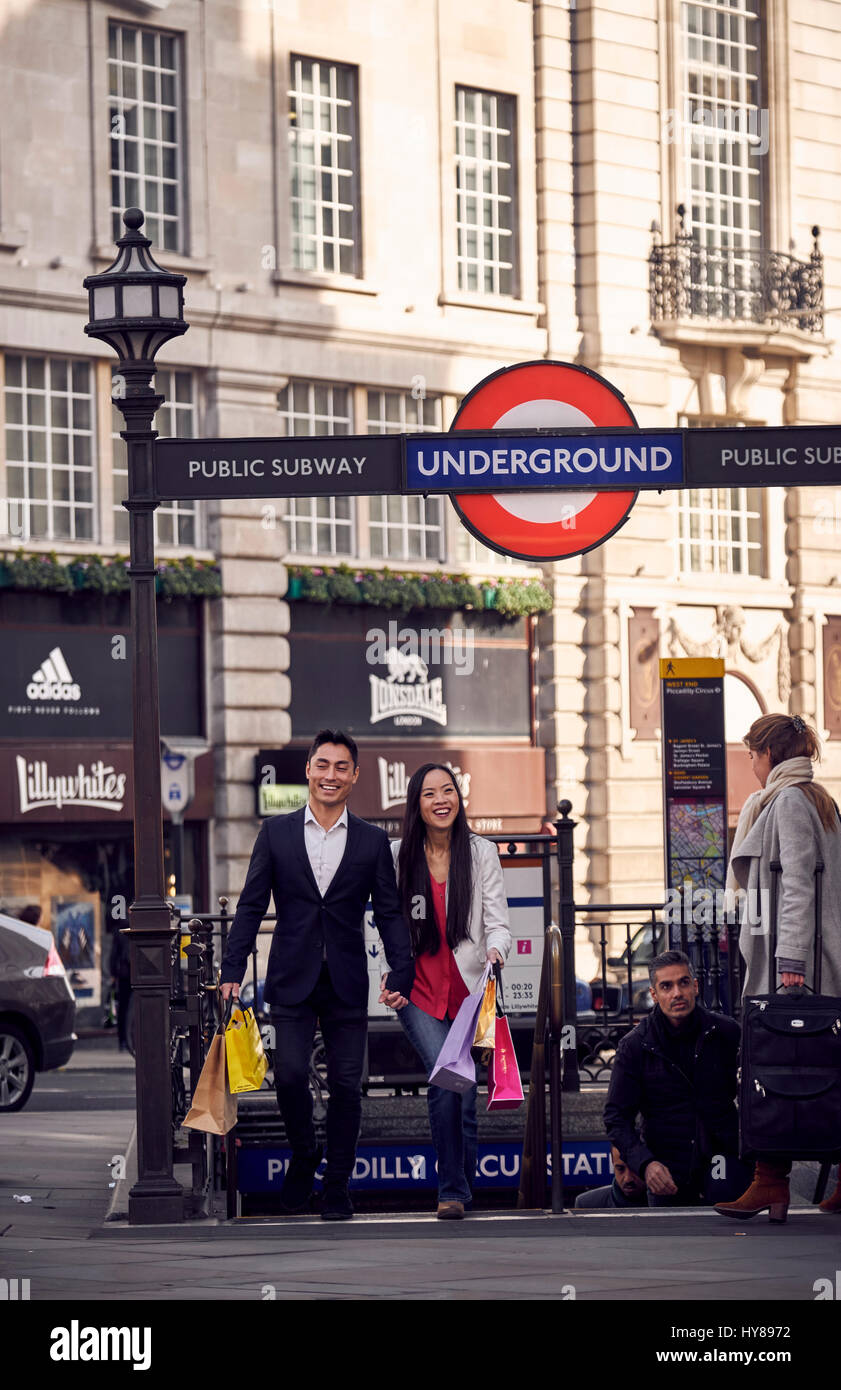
point(17, 1068)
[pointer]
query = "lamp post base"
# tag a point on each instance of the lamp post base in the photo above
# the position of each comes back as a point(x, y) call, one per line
point(155, 1203)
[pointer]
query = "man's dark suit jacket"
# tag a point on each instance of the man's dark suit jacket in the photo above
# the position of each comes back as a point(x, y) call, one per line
point(306, 922)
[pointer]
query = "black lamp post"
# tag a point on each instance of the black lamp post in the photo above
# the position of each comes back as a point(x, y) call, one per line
point(136, 307)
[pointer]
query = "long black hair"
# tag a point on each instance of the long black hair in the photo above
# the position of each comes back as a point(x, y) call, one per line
point(413, 871)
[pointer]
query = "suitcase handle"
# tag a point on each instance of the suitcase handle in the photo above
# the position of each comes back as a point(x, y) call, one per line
point(797, 991)
point(776, 869)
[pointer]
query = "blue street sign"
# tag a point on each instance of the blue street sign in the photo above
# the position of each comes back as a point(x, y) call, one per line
point(384, 1166)
point(591, 459)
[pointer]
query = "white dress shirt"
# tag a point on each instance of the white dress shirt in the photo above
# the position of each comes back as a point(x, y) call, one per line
point(324, 847)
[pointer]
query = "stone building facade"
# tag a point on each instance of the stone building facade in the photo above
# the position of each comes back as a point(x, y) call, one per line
point(379, 204)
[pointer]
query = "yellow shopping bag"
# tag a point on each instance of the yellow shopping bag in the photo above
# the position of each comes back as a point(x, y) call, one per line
point(247, 1062)
point(486, 1023)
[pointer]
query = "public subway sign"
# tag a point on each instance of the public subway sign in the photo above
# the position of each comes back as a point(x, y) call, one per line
point(327, 465)
point(506, 460)
point(544, 461)
point(807, 455)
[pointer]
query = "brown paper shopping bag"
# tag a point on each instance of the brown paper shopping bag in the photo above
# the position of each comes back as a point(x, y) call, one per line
point(214, 1109)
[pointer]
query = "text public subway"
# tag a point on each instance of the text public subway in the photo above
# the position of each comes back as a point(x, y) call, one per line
point(267, 468)
point(772, 458)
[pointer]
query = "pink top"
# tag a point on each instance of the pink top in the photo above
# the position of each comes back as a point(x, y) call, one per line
point(439, 988)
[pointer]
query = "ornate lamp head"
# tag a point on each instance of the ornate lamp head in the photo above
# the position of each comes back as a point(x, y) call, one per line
point(135, 305)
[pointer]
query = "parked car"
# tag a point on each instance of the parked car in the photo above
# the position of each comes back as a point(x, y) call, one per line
point(612, 995)
point(37, 1009)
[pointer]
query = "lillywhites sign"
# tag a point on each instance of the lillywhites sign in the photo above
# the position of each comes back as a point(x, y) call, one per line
point(394, 782)
point(100, 786)
point(278, 798)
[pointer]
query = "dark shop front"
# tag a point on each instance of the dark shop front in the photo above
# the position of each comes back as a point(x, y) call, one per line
point(423, 687)
point(66, 795)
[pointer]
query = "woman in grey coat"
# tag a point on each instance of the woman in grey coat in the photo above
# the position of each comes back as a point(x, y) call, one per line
point(794, 821)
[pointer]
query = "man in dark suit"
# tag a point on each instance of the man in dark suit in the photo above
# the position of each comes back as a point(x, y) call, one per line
point(322, 865)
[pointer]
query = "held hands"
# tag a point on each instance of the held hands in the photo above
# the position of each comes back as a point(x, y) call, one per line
point(495, 958)
point(393, 998)
point(659, 1180)
point(225, 990)
point(789, 978)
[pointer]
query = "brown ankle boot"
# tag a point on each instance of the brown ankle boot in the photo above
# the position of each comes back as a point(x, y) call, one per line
point(833, 1203)
point(769, 1189)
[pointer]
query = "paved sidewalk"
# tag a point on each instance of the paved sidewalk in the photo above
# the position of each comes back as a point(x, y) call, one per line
point(61, 1242)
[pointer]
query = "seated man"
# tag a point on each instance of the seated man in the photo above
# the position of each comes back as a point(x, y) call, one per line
point(626, 1190)
point(677, 1069)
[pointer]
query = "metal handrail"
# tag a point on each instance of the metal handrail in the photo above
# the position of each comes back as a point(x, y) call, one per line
point(548, 1031)
point(555, 978)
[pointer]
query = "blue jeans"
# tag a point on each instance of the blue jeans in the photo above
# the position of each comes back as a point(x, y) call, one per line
point(452, 1115)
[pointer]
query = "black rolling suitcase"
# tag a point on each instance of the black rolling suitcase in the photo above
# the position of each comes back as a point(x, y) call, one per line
point(790, 1082)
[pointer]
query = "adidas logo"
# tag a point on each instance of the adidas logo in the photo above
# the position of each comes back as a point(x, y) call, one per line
point(53, 681)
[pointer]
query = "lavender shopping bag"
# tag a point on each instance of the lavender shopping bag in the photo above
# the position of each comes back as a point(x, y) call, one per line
point(454, 1068)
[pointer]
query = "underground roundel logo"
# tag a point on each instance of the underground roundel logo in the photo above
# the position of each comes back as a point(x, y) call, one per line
point(543, 525)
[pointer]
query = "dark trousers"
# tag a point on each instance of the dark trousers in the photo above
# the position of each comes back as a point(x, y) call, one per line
point(716, 1181)
point(345, 1031)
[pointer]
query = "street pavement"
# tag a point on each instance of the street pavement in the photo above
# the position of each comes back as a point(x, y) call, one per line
point(63, 1151)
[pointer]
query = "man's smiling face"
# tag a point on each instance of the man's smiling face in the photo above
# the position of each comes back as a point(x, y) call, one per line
point(331, 774)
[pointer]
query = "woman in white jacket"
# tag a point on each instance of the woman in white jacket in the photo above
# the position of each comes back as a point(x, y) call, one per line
point(453, 896)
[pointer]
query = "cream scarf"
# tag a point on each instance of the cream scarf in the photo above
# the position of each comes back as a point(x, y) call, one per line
point(791, 773)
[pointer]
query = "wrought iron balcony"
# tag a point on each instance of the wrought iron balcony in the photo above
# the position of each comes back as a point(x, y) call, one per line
point(731, 285)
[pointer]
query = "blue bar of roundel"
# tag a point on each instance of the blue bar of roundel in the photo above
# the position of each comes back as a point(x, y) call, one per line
point(496, 462)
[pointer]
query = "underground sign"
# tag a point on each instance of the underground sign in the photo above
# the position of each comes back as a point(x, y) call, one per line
point(544, 524)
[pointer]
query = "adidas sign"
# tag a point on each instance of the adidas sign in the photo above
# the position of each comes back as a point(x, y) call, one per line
point(53, 681)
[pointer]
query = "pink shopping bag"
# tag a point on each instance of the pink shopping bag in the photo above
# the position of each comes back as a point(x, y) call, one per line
point(505, 1089)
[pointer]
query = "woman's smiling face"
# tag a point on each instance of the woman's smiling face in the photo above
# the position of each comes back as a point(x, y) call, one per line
point(438, 799)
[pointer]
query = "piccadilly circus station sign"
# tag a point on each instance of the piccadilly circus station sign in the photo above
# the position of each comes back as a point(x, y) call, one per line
point(544, 461)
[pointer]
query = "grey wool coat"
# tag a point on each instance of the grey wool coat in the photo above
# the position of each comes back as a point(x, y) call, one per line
point(789, 830)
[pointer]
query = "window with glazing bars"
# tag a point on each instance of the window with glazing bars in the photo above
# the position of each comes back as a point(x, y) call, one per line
point(721, 530)
point(50, 477)
point(324, 166)
point(145, 113)
point(318, 525)
point(725, 134)
point(405, 528)
point(486, 191)
point(176, 523)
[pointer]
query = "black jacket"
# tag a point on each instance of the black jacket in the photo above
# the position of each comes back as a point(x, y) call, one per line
point(307, 923)
point(611, 1196)
point(683, 1122)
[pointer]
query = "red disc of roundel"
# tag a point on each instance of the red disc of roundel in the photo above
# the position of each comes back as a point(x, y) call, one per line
point(543, 524)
